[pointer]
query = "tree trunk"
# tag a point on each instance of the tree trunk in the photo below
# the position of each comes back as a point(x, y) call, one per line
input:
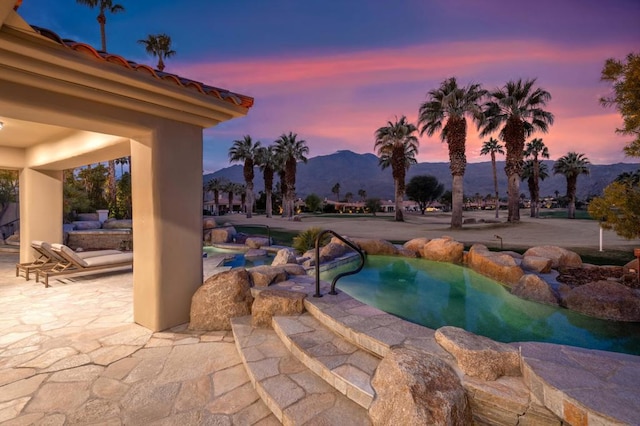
point(250, 199)
point(571, 193)
point(269, 203)
point(216, 202)
point(495, 183)
point(111, 181)
point(102, 20)
point(398, 202)
point(456, 201)
point(514, 198)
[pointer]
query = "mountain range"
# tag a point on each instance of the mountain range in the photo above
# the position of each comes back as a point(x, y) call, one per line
point(355, 171)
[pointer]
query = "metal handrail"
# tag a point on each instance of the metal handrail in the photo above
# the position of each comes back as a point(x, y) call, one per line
point(244, 226)
point(342, 274)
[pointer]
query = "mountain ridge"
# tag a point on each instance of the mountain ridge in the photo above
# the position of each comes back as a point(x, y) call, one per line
point(361, 171)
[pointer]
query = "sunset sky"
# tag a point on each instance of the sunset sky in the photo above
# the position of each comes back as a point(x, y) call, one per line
point(333, 71)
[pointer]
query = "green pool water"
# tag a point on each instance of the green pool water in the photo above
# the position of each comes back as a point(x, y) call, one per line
point(236, 259)
point(436, 294)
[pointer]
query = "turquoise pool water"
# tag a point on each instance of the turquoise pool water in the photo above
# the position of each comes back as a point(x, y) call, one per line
point(435, 294)
point(236, 259)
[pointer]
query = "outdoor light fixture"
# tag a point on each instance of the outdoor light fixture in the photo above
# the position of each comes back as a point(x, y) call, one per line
point(1, 124)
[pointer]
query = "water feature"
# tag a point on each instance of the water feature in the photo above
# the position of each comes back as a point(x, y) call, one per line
point(435, 294)
point(236, 258)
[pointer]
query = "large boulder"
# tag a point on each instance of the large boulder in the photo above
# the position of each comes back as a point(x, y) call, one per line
point(222, 296)
point(117, 224)
point(208, 223)
point(272, 302)
point(532, 287)
point(416, 244)
point(479, 356)
point(405, 252)
point(605, 299)
point(284, 256)
point(223, 235)
point(332, 251)
point(375, 246)
point(417, 388)
point(559, 256)
point(254, 253)
point(256, 242)
point(542, 265)
point(443, 249)
point(500, 267)
point(264, 275)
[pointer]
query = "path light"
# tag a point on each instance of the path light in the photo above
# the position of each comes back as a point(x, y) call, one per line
point(500, 238)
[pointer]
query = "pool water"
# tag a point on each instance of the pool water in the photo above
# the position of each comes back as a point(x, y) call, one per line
point(236, 259)
point(436, 294)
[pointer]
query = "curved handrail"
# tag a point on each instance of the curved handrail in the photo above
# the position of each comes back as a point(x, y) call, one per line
point(342, 274)
point(244, 226)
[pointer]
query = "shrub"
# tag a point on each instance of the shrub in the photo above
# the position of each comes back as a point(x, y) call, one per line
point(306, 240)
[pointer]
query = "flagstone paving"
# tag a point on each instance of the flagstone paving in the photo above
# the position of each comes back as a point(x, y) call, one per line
point(71, 354)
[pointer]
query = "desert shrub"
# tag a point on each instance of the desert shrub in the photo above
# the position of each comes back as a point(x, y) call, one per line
point(306, 240)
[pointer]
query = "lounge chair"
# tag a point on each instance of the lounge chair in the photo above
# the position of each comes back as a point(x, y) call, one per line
point(47, 258)
point(73, 263)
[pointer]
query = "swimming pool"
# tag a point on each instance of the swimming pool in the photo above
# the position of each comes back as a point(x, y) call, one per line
point(236, 259)
point(436, 294)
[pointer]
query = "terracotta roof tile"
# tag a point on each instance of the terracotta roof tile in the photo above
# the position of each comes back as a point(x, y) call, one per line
point(222, 94)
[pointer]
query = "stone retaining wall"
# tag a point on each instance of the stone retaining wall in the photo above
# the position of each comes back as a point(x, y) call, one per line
point(100, 239)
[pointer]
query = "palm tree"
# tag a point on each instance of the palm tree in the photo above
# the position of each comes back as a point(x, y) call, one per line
point(106, 6)
point(571, 166)
point(517, 107)
point(362, 194)
point(452, 103)
point(493, 147)
point(532, 173)
point(348, 197)
point(158, 45)
point(397, 146)
point(103, 6)
point(121, 161)
point(336, 190)
point(216, 185)
point(230, 188)
point(534, 149)
point(245, 150)
point(265, 158)
point(291, 150)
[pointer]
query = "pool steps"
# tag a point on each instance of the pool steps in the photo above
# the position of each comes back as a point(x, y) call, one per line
point(333, 322)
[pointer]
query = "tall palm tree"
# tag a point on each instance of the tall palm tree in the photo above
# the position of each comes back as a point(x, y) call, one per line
point(106, 6)
point(571, 166)
point(534, 149)
point(230, 188)
point(397, 146)
point(452, 103)
point(362, 194)
point(517, 109)
point(103, 6)
point(291, 150)
point(266, 159)
point(216, 185)
point(245, 150)
point(533, 173)
point(336, 190)
point(158, 45)
point(121, 161)
point(493, 147)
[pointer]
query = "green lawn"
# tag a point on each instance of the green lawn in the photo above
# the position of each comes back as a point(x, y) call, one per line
point(562, 214)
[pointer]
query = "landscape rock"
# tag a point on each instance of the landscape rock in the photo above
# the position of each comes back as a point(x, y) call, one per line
point(532, 287)
point(375, 246)
point(92, 217)
point(416, 244)
point(559, 256)
point(13, 239)
point(479, 356)
point(292, 269)
point(264, 275)
point(443, 249)
point(272, 302)
point(255, 253)
point(500, 267)
point(417, 388)
point(332, 251)
point(631, 267)
point(223, 235)
point(604, 299)
point(538, 264)
point(208, 222)
point(256, 242)
point(222, 296)
point(117, 224)
point(284, 256)
point(405, 252)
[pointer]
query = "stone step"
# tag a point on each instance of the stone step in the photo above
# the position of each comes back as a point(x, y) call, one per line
point(292, 392)
point(341, 364)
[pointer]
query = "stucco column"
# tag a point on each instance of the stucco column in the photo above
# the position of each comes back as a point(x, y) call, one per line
point(40, 209)
point(167, 224)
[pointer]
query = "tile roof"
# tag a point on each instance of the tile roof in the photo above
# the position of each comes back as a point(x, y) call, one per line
point(222, 94)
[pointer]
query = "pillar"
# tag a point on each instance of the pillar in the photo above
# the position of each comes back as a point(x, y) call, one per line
point(167, 224)
point(40, 209)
